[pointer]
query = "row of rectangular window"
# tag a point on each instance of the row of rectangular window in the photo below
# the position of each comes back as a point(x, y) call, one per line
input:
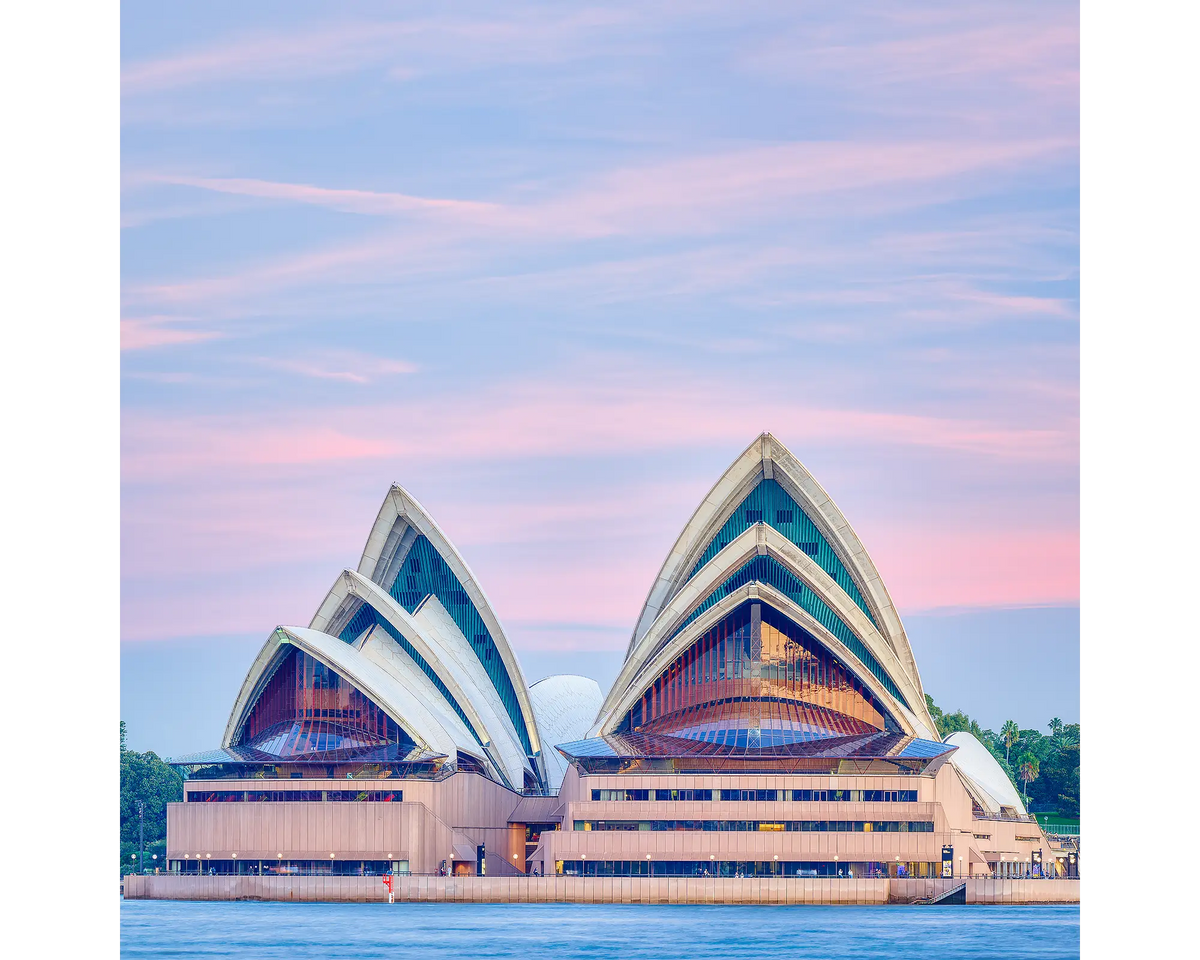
point(798, 796)
point(294, 796)
point(293, 868)
point(763, 826)
point(745, 868)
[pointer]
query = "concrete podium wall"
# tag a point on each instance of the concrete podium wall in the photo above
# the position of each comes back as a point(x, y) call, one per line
point(777, 890)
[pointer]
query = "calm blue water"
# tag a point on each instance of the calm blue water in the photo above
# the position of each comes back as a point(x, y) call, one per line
point(158, 928)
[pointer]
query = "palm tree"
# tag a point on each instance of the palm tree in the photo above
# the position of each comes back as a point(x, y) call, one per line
point(1028, 769)
point(1010, 731)
point(1056, 726)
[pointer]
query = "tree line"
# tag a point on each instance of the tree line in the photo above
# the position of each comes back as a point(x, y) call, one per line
point(1044, 767)
point(148, 784)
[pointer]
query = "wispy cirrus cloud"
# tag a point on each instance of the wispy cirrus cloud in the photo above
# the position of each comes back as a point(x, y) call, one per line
point(981, 67)
point(692, 197)
point(514, 421)
point(668, 196)
point(374, 203)
point(344, 365)
point(398, 48)
point(144, 333)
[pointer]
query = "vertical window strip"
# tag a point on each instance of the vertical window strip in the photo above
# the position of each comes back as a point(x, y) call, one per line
point(766, 569)
point(769, 503)
point(423, 573)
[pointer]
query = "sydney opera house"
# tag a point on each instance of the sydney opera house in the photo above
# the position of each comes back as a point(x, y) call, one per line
point(768, 719)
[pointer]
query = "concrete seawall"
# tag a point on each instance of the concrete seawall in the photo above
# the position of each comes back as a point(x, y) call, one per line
point(593, 889)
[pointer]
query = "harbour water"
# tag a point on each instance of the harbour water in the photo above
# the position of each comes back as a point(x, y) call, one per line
point(252, 930)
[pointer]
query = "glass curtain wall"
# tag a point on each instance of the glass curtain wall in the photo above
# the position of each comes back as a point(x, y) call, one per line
point(306, 708)
point(757, 670)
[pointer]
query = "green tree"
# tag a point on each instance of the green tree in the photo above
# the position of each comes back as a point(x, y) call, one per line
point(1056, 727)
point(1056, 787)
point(1028, 767)
point(1010, 732)
point(148, 784)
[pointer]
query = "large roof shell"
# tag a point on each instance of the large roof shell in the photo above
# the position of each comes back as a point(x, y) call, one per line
point(681, 583)
point(432, 633)
point(402, 513)
point(664, 641)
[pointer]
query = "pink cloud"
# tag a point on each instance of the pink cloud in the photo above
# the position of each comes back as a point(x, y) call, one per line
point(344, 365)
point(252, 606)
point(146, 333)
point(350, 201)
point(318, 51)
point(245, 516)
point(930, 566)
point(557, 419)
point(403, 48)
point(687, 196)
point(159, 448)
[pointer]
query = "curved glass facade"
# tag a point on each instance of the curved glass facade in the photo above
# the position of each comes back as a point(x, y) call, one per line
point(307, 709)
point(769, 503)
point(768, 570)
point(757, 679)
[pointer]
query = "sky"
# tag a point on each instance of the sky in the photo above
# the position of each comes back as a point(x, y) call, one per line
point(552, 267)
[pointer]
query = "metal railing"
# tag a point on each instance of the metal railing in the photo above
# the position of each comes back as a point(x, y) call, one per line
point(1016, 818)
point(1061, 829)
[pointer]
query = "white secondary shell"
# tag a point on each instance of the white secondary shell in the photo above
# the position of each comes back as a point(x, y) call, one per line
point(992, 787)
point(382, 672)
point(401, 515)
point(565, 707)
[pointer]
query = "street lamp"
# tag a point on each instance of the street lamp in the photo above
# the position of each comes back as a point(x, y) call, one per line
point(141, 833)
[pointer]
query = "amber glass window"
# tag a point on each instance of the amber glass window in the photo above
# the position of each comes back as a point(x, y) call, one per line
point(306, 708)
point(757, 679)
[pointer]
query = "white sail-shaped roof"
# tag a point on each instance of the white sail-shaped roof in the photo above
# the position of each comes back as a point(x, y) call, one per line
point(404, 545)
point(565, 707)
point(767, 504)
point(984, 777)
point(380, 670)
point(355, 604)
